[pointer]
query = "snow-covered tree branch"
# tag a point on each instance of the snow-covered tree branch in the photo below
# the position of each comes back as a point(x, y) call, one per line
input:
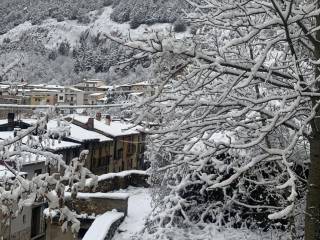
point(236, 115)
point(17, 192)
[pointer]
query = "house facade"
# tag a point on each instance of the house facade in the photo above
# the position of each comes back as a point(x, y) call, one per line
point(127, 148)
point(28, 225)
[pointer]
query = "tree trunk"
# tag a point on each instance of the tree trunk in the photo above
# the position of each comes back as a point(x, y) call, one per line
point(312, 216)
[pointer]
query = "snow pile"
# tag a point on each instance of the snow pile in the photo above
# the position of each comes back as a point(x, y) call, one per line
point(81, 195)
point(101, 225)
point(139, 207)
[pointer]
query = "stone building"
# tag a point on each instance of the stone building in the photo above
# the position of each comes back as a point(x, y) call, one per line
point(100, 147)
point(128, 143)
point(28, 225)
point(87, 206)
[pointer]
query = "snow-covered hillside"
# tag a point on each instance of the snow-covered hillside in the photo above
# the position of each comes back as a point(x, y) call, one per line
point(67, 51)
point(71, 30)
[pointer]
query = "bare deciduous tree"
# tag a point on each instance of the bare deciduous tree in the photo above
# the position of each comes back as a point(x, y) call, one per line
point(236, 114)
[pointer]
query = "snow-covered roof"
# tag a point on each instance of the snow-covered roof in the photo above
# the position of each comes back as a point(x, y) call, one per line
point(123, 85)
point(24, 158)
point(136, 94)
point(44, 90)
point(30, 121)
point(101, 225)
point(50, 144)
point(6, 173)
point(42, 85)
point(106, 87)
point(23, 90)
point(3, 121)
point(26, 120)
point(80, 134)
point(74, 89)
point(55, 86)
point(36, 85)
point(4, 86)
point(97, 94)
point(102, 99)
point(54, 144)
point(116, 128)
point(144, 83)
point(93, 81)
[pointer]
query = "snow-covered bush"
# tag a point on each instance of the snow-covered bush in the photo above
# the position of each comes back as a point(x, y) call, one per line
point(64, 48)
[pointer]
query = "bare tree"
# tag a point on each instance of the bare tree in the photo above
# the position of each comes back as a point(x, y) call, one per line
point(236, 113)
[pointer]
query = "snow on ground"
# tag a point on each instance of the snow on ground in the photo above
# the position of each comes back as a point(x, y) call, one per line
point(138, 209)
point(101, 225)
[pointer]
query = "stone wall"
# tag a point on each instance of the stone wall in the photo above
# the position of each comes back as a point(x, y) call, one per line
point(109, 184)
point(22, 235)
point(113, 228)
point(97, 205)
point(54, 232)
point(4, 228)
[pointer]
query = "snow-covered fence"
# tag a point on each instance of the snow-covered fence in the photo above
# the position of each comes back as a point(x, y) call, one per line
point(121, 180)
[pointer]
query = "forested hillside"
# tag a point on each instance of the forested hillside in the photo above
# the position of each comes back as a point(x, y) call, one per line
point(15, 12)
point(67, 35)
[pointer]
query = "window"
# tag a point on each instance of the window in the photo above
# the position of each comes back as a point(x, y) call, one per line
point(100, 162)
point(119, 154)
point(37, 171)
point(60, 98)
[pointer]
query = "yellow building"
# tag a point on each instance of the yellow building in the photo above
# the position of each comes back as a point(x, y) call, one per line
point(43, 96)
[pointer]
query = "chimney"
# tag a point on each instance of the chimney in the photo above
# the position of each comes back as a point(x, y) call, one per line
point(90, 123)
point(98, 116)
point(108, 119)
point(11, 119)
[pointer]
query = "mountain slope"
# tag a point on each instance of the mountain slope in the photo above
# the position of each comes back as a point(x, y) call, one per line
point(66, 51)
